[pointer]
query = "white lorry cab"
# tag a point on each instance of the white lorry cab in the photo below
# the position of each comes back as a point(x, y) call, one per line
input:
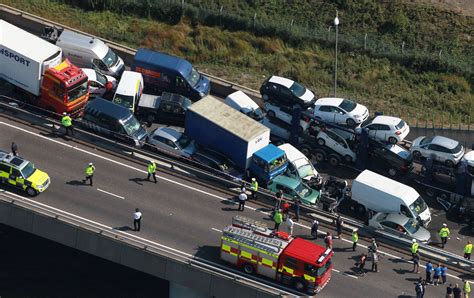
point(300, 167)
point(241, 102)
point(381, 194)
point(129, 90)
point(86, 51)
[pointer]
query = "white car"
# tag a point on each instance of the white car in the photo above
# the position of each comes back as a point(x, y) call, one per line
point(340, 111)
point(387, 128)
point(279, 129)
point(469, 159)
point(172, 142)
point(300, 167)
point(99, 83)
point(441, 148)
point(398, 224)
point(241, 102)
point(285, 114)
point(337, 143)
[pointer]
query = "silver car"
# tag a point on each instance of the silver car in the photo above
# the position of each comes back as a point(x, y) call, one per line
point(443, 149)
point(172, 142)
point(398, 224)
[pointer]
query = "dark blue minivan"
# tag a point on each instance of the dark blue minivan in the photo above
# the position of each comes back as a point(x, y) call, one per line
point(165, 73)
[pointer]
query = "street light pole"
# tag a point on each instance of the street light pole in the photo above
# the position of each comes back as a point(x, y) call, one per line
point(336, 23)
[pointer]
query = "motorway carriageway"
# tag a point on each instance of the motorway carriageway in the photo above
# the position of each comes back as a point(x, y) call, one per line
point(177, 212)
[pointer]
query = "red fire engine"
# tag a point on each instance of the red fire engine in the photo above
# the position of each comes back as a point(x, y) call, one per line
point(257, 249)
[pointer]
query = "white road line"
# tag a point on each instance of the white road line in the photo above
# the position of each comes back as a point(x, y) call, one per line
point(217, 230)
point(335, 270)
point(112, 194)
point(350, 275)
point(178, 183)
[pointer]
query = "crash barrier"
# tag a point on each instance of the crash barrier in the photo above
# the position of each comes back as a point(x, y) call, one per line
point(220, 88)
point(264, 196)
point(132, 251)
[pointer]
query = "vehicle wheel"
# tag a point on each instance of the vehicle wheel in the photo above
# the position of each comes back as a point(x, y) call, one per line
point(278, 142)
point(271, 114)
point(350, 122)
point(248, 268)
point(392, 140)
point(348, 158)
point(321, 142)
point(417, 154)
point(319, 156)
point(430, 192)
point(300, 130)
point(449, 163)
point(150, 118)
point(265, 97)
point(334, 160)
point(392, 172)
point(31, 192)
point(306, 151)
point(299, 285)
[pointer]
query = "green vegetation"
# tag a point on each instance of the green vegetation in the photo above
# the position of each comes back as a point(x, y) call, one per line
point(415, 84)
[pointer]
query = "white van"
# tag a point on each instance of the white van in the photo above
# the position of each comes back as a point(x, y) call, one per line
point(85, 51)
point(129, 90)
point(300, 167)
point(241, 102)
point(381, 194)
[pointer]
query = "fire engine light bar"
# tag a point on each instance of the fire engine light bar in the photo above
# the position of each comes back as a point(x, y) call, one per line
point(325, 254)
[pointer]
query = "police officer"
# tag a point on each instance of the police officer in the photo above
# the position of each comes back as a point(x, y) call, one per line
point(468, 250)
point(254, 188)
point(137, 218)
point(151, 170)
point(67, 123)
point(242, 199)
point(355, 239)
point(14, 149)
point(278, 218)
point(467, 288)
point(414, 247)
point(89, 173)
point(444, 234)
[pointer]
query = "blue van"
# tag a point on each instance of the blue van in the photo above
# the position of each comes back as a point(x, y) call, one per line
point(165, 73)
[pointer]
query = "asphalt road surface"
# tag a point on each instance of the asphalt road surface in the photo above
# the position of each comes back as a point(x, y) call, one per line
point(177, 212)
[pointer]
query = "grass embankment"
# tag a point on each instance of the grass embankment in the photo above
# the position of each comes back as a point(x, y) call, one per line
point(380, 83)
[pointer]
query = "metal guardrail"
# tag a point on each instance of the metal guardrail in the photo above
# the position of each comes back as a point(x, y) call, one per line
point(223, 88)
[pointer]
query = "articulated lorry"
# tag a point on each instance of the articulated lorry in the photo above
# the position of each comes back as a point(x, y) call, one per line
point(213, 124)
point(36, 68)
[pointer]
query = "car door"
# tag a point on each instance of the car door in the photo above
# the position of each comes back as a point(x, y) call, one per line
point(373, 130)
point(338, 143)
point(340, 116)
point(393, 228)
point(16, 178)
point(440, 152)
point(95, 88)
point(325, 113)
point(292, 171)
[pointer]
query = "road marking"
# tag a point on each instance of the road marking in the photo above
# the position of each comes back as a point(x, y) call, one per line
point(180, 184)
point(217, 230)
point(350, 275)
point(335, 270)
point(112, 194)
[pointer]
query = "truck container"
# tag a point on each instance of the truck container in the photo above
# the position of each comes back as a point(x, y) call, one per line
point(215, 125)
point(85, 51)
point(381, 194)
point(34, 66)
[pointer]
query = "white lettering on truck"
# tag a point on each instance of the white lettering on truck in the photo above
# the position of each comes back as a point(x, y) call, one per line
point(15, 57)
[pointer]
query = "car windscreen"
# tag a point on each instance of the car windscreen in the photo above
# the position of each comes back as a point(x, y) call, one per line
point(347, 105)
point(400, 125)
point(324, 268)
point(297, 89)
point(78, 90)
point(124, 100)
point(102, 79)
point(457, 149)
point(131, 125)
point(418, 206)
point(193, 77)
point(183, 141)
point(412, 226)
point(28, 170)
point(302, 190)
point(110, 58)
point(305, 171)
point(426, 140)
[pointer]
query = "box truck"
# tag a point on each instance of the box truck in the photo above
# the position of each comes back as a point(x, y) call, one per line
point(215, 125)
point(85, 51)
point(381, 194)
point(35, 67)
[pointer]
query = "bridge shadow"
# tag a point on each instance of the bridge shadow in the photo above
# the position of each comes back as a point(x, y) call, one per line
point(123, 228)
point(208, 252)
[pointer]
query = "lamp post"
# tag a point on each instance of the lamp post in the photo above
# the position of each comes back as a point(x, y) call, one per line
point(336, 23)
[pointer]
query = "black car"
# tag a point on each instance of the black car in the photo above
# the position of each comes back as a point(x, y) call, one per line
point(286, 92)
point(217, 161)
point(168, 108)
point(391, 159)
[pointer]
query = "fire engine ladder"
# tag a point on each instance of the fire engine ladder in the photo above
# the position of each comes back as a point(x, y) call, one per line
point(252, 225)
point(267, 244)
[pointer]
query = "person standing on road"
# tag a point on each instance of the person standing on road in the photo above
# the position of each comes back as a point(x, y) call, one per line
point(339, 223)
point(90, 169)
point(414, 247)
point(375, 262)
point(444, 234)
point(361, 263)
point(444, 270)
point(328, 240)
point(457, 291)
point(242, 199)
point(278, 196)
point(290, 224)
point(416, 263)
point(429, 269)
point(467, 288)
point(285, 208)
point(151, 170)
point(314, 229)
point(420, 288)
point(449, 291)
point(278, 218)
point(296, 208)
point(373, 246)
point(355, 239)
point(66, 121)
point(137, 218)
point(254, 188)
point(14, 149)
point(468, 250)
point(436, 274)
